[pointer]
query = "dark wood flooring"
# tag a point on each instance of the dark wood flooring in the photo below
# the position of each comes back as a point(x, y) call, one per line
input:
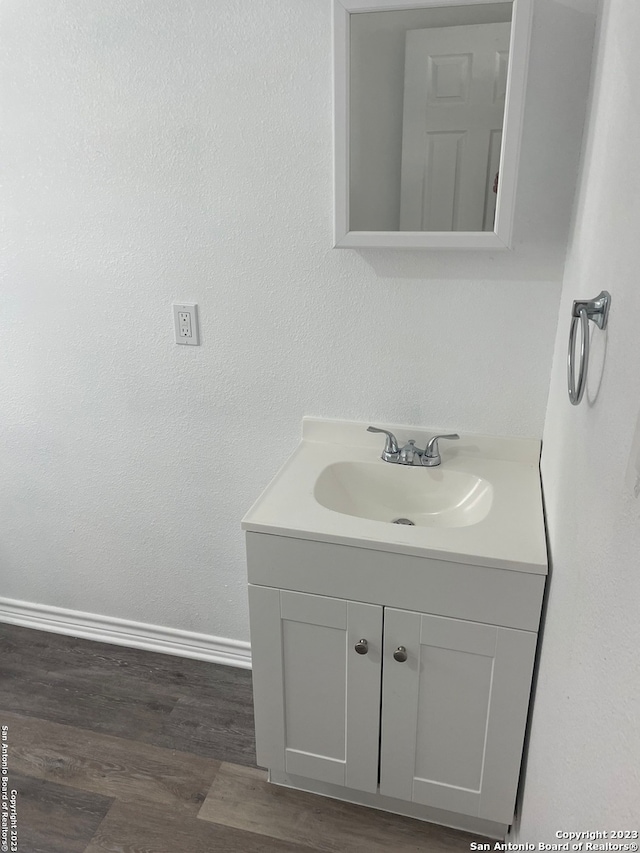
point(116, 750)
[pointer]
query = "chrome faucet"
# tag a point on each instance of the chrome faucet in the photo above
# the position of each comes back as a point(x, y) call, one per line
point(410, 454)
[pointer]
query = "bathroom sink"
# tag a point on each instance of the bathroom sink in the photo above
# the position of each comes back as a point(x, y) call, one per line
point(481, 506)
point(422, 497)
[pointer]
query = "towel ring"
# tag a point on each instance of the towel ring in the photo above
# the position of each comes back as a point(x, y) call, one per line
point(596, 310)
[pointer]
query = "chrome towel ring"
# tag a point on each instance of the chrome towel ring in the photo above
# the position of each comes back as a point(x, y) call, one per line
point(596, 310)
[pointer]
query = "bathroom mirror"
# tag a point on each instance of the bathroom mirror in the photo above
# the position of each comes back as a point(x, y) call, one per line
point(429, 101)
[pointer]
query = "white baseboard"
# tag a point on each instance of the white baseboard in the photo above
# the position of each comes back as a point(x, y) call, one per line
point(123, 632)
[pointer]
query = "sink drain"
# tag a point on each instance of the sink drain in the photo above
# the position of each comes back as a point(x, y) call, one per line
point(404, 521)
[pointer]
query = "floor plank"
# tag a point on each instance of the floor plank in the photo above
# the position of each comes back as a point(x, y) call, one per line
point(107, 765)
point(128, 693)
point(96, 696)
point(221, 729)
point(170, 676)
point(127, 829)
point(87, 706)
point(54, 818)
point(242, 798)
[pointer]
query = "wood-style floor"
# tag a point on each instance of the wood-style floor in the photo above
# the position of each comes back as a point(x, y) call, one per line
point(116, 750)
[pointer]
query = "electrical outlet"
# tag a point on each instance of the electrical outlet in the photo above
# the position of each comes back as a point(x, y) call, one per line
point(185, 321)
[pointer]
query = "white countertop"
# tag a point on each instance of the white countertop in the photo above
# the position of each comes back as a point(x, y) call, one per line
point(511, 536)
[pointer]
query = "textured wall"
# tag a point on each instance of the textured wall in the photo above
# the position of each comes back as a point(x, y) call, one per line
point(154, 151)
point(584, 768)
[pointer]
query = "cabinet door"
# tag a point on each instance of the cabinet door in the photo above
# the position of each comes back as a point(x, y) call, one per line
point(317, 701)
point(454, 713)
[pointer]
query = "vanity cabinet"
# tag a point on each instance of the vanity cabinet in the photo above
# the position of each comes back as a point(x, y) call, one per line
point(392, 664)
point(417, 707)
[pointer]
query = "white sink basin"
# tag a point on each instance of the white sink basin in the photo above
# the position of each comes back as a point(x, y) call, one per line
point(427, 497)
point(482, 506)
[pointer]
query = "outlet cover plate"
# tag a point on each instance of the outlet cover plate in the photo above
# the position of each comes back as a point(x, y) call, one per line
point(185, 323)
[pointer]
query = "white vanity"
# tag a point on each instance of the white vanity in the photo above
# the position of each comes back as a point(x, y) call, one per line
point(392, 663)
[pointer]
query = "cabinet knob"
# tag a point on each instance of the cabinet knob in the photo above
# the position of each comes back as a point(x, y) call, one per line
point(400, 654)
point(362, 647)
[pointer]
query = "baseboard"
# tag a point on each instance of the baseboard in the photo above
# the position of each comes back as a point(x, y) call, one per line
point(123, 632)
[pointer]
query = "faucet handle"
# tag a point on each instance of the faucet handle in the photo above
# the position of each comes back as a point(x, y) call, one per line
point(391, 449)
point(431, 455)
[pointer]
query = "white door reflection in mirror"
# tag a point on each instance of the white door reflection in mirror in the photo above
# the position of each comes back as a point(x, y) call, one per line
point(454, 99)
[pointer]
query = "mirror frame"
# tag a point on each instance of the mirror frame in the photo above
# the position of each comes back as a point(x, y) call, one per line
point(501, 237)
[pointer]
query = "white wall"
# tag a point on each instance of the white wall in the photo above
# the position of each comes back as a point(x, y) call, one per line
point(155, 151)
point(584, 757)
